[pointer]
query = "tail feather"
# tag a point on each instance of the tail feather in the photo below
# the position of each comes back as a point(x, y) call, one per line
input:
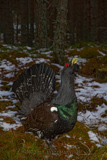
point(33, 86)
point(49, 80)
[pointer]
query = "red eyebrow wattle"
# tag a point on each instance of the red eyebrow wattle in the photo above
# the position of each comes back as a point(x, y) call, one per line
point(66, 65)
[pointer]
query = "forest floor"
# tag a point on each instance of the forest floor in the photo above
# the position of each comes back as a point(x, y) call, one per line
point(88, 139)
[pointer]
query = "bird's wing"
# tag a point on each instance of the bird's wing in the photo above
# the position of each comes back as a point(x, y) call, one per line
point(44, 116)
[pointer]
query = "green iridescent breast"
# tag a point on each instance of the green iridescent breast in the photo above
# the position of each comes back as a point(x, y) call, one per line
point(69, 111)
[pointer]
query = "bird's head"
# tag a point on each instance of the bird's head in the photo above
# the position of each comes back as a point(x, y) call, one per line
point(71, 68)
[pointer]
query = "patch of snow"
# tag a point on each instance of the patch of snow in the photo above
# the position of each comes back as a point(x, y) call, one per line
point(11, 107)
point(7, 46)
point(41, 50)
point(5, 93)
point(8, 126)
point(93, 118)
point(41, 60)
point(104, 140)
point(79, 49)
point(9, 75)
point(6, 65)
point(29, 48)
point(103, 54)
point(70, 156)
point(93, 136)
point(99, 145)
point(4, 99)
point(46, 53)
point(102, 127)
point(58, 65)
point(15, 101)
point(69, 146)
point(69, 49)
point(85, 91)
point(10, 83)
point(66, 135)
point(58, 77)
point(24, 60)
point(99, 140)
point(9, 113)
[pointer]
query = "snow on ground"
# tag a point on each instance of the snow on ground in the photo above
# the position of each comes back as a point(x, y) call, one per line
point(41, 60)
point(6, 65)
point(59, 66)
point(8, 126)
point(24, 60)
point(93, 136)
point(101, 53)
point(94, 118)
point(86, 89)
point(5, 94)
point(69, 146)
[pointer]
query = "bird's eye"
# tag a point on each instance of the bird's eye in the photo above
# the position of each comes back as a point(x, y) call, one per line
point(66, 65)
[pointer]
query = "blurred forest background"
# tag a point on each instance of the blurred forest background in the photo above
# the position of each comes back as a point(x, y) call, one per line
point(53, 32)
point(54, 24)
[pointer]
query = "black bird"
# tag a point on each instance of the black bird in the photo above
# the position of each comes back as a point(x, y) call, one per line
point(47, 120)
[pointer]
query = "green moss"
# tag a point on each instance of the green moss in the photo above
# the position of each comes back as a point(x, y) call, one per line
point(18, 145)
point(14, 145)
point(102, 69)
point(103, 45)
point(92, 66)
point(4, 104)
point(104, 60)
point(6, 87)
point(89, 52)
point(83, 44)
point(100, 154)
point(101, 74)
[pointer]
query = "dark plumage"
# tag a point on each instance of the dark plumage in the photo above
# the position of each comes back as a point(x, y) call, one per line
point(48, 120)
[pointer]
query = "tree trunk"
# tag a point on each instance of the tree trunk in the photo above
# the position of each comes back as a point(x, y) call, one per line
point(79, 20)
point(41, 39)
point(102, 21)
point(31, 21)
point(93, 20)
point(24, 22)
point(86, 21)
point(59, 42)
point(71, 21)
point(51, 18)
point(8, 22)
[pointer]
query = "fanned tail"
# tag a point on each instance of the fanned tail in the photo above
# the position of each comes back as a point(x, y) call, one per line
point(34, 86)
